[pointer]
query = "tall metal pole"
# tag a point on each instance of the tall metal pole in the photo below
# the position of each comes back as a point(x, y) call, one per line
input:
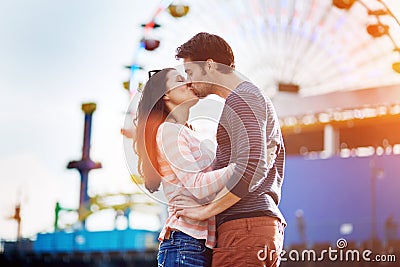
point(17, 218)
point(85, 165)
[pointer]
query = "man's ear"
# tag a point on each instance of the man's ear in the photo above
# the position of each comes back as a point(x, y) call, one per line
point(211, 65)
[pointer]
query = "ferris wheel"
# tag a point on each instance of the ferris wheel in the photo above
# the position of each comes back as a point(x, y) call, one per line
point(310, 47)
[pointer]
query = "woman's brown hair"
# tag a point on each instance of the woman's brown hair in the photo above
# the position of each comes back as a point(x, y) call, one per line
point(151, 113)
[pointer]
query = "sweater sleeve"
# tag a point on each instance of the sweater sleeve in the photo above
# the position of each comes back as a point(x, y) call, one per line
point(174, 143)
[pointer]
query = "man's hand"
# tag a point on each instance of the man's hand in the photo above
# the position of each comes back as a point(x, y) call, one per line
point(185, 206)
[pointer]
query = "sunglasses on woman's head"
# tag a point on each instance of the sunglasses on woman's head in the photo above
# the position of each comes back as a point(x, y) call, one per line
point(152, 72)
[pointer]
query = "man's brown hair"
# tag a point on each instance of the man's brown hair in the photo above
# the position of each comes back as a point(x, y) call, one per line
point(205, 46)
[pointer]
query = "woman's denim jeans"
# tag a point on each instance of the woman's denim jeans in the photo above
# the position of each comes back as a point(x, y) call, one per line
point(183, 250)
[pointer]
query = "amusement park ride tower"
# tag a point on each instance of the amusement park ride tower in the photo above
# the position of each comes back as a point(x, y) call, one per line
point(86, 164)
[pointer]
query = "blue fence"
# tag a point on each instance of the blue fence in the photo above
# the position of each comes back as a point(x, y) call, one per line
point(335, 196)
point(102, 241)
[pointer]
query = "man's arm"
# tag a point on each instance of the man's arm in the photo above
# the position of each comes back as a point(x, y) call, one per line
point(246, 123)
point(185, 206)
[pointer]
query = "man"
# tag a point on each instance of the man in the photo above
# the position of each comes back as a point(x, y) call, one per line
point(249, 223)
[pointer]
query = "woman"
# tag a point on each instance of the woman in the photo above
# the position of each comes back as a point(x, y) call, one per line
point(171, 155)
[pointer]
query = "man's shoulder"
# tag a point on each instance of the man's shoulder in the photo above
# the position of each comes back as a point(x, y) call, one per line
point(245, 90)
point(247, 86)
point(246, 93)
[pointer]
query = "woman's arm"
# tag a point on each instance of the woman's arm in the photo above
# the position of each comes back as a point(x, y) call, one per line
point(173, 141)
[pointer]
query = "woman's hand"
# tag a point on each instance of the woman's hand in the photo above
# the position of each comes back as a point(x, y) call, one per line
point(185, 206)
